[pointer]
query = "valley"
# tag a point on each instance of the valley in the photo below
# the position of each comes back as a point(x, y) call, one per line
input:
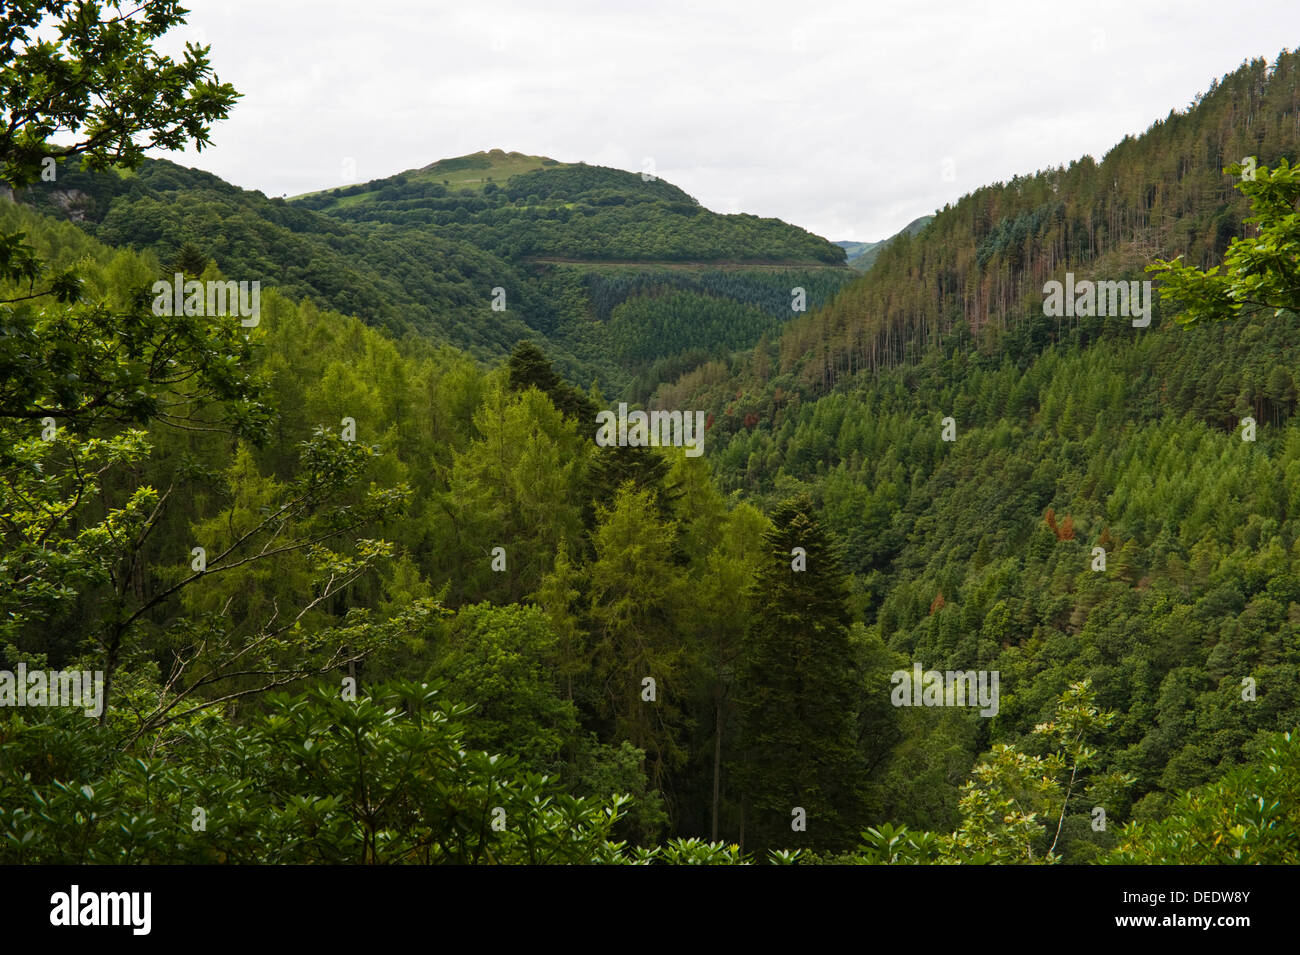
point(976, 545)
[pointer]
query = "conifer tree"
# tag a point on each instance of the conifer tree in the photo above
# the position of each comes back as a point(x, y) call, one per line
point(795, 692)
point(529, 366)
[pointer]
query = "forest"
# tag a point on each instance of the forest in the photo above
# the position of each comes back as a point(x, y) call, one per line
point(363, 588)
point(398, 254)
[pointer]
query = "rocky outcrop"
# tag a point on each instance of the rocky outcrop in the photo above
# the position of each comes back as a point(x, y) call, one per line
point(73, 203)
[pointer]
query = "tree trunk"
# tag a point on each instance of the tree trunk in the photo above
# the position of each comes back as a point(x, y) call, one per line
point(717, 757)
point(744, 800)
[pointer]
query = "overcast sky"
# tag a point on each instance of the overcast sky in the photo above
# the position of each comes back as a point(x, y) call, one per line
point(849, 119)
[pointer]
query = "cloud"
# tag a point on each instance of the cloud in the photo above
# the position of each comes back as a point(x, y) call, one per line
point(839, 117)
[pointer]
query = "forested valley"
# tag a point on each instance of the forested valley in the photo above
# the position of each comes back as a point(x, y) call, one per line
point(364, 587)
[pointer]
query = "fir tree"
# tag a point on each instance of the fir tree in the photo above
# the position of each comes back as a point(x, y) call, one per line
point(529, 366)
point(795, 692)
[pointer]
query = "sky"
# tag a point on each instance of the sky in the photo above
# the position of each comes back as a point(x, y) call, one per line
point(848, 119)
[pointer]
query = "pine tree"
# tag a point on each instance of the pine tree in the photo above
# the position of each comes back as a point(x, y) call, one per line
point(189, 259)
point(611, 468)
point(529, 366)
point(795, 693)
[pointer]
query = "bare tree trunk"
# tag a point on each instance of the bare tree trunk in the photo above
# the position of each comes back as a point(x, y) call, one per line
point(111, 651)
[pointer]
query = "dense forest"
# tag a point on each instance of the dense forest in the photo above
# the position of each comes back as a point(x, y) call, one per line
point(461, 266)
point(578, 211)
point(363, 587)
point(980, 265)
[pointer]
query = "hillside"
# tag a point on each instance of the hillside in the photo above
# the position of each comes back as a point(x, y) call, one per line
point(422, 252)
point(473, 172)
point(575, 211)
point(406, 282)
point(1071, 435)
point(980, 266)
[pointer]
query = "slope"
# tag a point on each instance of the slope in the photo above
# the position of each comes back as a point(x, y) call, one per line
point(980, 266)
point(1099, 514)
point(432, 254)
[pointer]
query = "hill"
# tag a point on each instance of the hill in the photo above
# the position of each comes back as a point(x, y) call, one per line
point(472, 172)
point(980, 266)
point(572, 211)
point(423, 252)
point(1073, 438)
